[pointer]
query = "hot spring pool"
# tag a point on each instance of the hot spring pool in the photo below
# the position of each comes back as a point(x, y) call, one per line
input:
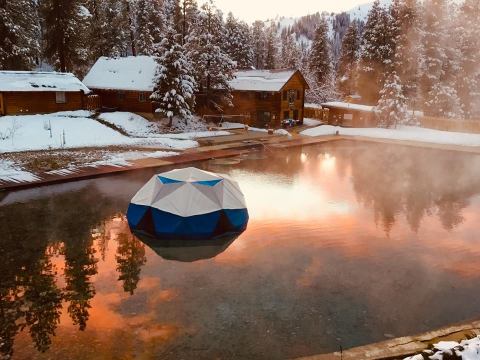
point(348, 243)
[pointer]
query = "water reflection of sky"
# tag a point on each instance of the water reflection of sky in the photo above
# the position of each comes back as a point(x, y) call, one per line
point(346, 243)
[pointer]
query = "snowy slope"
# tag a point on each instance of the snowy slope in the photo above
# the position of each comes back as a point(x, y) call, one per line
point(32, 132)
point(360, 12)
point(406, 133)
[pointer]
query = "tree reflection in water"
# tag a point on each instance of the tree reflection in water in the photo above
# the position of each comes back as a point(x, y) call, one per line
point(51, 246)
point(414, 182)
point(30, 297)
point(130, 259)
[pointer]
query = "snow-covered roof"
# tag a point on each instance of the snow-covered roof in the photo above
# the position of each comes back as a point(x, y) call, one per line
point(40, 81)
point(261, 80)
point(131, 73)
point(348, 106)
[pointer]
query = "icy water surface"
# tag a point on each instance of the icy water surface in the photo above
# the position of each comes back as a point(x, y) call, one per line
point(348, 243)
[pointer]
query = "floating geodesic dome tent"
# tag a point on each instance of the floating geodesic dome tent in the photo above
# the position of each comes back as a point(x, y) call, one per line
point(188, 204)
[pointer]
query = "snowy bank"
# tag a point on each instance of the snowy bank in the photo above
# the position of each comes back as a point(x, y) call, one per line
point(276, 132)
point(408, 133)
point(311, 122)
point(466, 350)
point(136, 125)
point(73, 130)
point(132, 124)
point(11, 172)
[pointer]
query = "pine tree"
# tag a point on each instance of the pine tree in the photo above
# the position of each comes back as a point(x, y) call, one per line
point(238, 44)
point(376, 53)
point(174, 83)
point(259, 44)
point(19, 34)
point(148, 26)
point(66, 22)
point(391, 108)
point(189, 14)
point(320, 65)
point(111, 29)
point(348, 60)
point(437, 66)
point(213, 67)
point(271, 47)
point(291, 54)
point(405, 24)
point(467, 37)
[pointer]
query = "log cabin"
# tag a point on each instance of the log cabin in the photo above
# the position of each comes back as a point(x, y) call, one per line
point(261, 97)
point(351, 115)
point(266, 97)
point(26, 92)
point(123, 84)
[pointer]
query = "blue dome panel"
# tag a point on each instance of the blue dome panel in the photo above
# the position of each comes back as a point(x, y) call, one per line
point(135, 213)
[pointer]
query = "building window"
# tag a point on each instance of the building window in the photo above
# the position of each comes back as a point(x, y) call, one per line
point(286, 114)
point(263, 95)
point(121, 95)
point(295, 114)
point(60, 97)
point(142, 97)
point(291, 96)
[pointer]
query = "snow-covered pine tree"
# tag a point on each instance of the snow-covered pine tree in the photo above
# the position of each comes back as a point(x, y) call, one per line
point(213, 67)
point(19, 34)
point(148, 26)
point(238, 44)
point(291, 54)
point(405, 25)
point(391, 109)
point(174, 91)
point(467, 37)
point(66, 22)
point(348, 60)
point(320, 73)
point(437, 65)
point(376, 54)
point(271, 47)
point(189, 14)
point(259, 44)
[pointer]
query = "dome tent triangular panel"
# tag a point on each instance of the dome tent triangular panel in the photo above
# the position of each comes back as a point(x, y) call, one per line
point(189, 204)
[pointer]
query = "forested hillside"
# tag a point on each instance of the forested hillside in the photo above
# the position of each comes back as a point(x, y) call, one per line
point(406, 54)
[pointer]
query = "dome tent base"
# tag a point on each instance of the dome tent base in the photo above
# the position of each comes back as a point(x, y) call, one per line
point(164, 225)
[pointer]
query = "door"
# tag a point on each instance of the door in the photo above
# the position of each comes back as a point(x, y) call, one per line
point(2, 108)
point(263, 119)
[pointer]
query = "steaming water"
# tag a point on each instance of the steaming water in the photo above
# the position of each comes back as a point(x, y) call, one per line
point(348, 243)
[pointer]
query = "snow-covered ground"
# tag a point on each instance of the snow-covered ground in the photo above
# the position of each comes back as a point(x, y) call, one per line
point(75, 129)
point(132, 124)
point(11, 172)
point(465, 350)
point(409, 133)
point(311, 122)
point(15, 171)
point(276, 132)
point(231, 125)
point(135, 125)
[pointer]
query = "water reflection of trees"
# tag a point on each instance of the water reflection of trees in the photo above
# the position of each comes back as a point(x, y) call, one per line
point(395, 180)
point(130, 259)
point(35, 233)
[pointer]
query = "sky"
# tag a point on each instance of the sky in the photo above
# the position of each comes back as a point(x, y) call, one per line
point(250, 10)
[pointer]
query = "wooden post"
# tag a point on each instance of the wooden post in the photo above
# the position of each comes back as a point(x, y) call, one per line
point(2, 108)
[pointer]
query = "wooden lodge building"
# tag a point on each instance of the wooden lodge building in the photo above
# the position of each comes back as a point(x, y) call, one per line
point(266, 97)
point(260, 97)
point(26, 92)
point(125, 83)
point(351, 115)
